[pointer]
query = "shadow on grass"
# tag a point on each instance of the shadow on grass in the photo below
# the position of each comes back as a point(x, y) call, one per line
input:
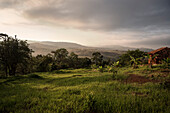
point(73, 81)
point(22, 79)
point(61, 81)
point(12, 79)
point(61, 72)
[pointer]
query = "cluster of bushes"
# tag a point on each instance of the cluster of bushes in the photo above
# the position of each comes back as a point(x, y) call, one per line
point(16, 58)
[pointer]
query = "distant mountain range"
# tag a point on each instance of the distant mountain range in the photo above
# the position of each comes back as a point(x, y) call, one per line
point(113, 52)
point(122, 48)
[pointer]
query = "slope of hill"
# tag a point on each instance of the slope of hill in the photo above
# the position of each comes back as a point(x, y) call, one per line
point(112, 52)
point(122, 48)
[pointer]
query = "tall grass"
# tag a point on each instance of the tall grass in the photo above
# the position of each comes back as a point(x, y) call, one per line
point(80, 91)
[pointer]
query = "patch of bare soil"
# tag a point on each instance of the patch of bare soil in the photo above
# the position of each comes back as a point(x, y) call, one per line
point(133, 78)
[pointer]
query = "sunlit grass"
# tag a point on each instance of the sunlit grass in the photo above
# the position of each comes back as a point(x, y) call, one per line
point(81, 90)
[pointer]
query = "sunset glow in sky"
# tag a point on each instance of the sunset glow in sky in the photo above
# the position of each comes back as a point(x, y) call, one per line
point(134, 23)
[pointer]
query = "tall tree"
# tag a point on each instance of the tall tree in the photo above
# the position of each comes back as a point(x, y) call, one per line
point(97, 58)
point(12, 53)
point(73, 60)
point(61, 57)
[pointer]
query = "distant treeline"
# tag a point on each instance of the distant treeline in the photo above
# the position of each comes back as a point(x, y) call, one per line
point(16, 58)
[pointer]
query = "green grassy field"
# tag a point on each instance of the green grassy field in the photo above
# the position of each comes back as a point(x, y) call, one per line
point(85, 90)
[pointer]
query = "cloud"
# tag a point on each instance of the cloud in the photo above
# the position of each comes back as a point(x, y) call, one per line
point(146, 18)
point(153, 42)
point(106, 15)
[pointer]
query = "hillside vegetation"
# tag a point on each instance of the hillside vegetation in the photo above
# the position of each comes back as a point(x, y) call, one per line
point(65, 82)
point(86, 90)
point(109, 52)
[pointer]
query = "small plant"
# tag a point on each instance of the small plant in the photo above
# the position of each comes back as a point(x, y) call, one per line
point(94, 66)
point(166, 62)
point(116, 64)
point(135, 62)
point(101, 69)
point(110, 68)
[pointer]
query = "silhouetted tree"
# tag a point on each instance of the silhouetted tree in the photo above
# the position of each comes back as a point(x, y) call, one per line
point(125, 59)
point(61, 57)
point(12, 53)
point(73, 60)
point(84, 63)
point(97, 58)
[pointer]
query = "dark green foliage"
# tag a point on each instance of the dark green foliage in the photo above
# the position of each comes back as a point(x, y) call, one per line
point(166, 63)
point(44, 63)
point(60, 56)
point(84, 62)
point(97, 58)
point(13, 52)
point(73, 60)
point(125, 58)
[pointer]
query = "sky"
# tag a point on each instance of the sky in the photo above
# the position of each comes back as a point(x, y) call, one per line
point(133, 23)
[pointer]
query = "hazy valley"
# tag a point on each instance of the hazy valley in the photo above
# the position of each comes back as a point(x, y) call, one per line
point(109, 52)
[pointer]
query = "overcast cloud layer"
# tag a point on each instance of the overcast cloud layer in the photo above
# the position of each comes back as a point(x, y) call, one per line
point(148, 20)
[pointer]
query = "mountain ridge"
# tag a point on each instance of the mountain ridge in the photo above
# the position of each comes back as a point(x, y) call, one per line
point(109, 52)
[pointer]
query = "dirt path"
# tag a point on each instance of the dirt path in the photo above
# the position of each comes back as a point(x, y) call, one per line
point(133, 78)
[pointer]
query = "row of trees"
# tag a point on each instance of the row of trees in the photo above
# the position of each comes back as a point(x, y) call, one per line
point(16, 57)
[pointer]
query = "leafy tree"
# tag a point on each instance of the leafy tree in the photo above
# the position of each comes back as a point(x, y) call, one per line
point(135, 61)
point(44, 63)
point(73, 60)
point(61, 57)
point(84, 62)
point(125, 59)
point(97, 58)
point(12, 53)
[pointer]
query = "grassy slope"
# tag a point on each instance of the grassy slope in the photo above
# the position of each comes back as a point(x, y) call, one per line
point(81, 90)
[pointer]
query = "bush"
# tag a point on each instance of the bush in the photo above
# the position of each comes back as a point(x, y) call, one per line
point(101, 69)
point(110, 68)
point(94, 66)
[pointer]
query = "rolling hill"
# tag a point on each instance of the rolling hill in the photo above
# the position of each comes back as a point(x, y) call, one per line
point(109, 52)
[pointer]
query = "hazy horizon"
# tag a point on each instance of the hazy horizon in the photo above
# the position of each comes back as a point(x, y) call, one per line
point(93, 23)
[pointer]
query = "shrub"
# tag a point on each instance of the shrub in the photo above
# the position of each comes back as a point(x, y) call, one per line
point(94, 66)
point(101, 69)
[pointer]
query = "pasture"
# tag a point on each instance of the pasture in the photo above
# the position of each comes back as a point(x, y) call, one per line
point(86, 90)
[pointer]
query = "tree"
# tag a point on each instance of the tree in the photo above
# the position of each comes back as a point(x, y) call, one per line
point(44, 63)
point(135, 61)
point(61, 57)
point(73, 60)
point(84, 62)
point(97, 58)
point(125, 59)
point(12, 53)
